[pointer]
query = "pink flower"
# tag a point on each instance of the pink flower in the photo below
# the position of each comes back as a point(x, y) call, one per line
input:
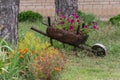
point(77, 16)
point(68, 20)
point(78, 21)
point(72, 21)
point(85, 26)
point(74, 14)
point(71, 28)
point(95, 26)
point(63, 16)
point(61, 23)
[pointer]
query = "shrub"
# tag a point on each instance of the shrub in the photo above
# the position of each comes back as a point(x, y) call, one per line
point(29, 16)
point(115, 20)
point(32, 42)
point(42, 61)
point(87, 18)
point(48, 64)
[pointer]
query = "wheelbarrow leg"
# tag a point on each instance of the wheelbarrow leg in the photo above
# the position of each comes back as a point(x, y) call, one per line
point(51, 42)
point(75, 50)
point(49, 25)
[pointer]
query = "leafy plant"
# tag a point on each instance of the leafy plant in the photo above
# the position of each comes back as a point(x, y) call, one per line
point(115, 20)
point(87, 17)
point(32, 43)
point(29, 16)
point(13, 68)
point(42, 61)
point(4, 45)
point(47, 63)
point(8, 66)
point(71, 23)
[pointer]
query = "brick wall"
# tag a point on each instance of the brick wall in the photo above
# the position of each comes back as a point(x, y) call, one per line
point(45, 7)
point(101, 8)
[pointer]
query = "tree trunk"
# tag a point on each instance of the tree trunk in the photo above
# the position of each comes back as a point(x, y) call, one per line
point(66, 7)
point(8, 20)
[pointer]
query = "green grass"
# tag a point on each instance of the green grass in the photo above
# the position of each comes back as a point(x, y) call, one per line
point(90, 67)
point(24, 27)
point(87, 66)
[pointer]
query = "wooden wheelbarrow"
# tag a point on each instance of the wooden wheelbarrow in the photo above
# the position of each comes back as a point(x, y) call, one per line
point(77, 39)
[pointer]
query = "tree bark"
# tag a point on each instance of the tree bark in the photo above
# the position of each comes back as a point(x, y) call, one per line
point(8, 20)
point(66, 7)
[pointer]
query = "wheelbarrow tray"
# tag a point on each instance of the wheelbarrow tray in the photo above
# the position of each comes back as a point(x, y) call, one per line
point(66, 36)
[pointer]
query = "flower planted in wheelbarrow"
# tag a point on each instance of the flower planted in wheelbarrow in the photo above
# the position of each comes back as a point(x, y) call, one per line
point(70, 23)
point(87, 29)
point(70, 29)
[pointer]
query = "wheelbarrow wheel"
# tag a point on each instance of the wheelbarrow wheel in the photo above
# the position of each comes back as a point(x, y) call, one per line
point(99, 49)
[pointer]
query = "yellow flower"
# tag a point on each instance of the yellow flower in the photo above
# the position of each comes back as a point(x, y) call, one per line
point(20, 50)
point(21, 56)
point(34, 52)
point(25, 50)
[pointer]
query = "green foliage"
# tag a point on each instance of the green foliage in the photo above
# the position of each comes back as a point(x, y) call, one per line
point(32, 42)
point(29, 16)
point(4, 46)
point(87, 17)
point(115, 20)
point(13, 68)
point(8, 66)
point(42, 59)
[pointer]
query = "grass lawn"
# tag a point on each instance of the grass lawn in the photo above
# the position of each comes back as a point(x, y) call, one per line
point(92, 68)
point(86, 66)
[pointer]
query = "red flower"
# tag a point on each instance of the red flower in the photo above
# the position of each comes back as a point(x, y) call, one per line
point(85, 26)
point(78, 21)
point(72, 21)
point(77, 16)
point(71, 28)
point(95, 25)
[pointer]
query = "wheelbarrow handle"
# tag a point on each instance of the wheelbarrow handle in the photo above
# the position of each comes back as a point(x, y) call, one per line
point(44, 24)
point(39, 31)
